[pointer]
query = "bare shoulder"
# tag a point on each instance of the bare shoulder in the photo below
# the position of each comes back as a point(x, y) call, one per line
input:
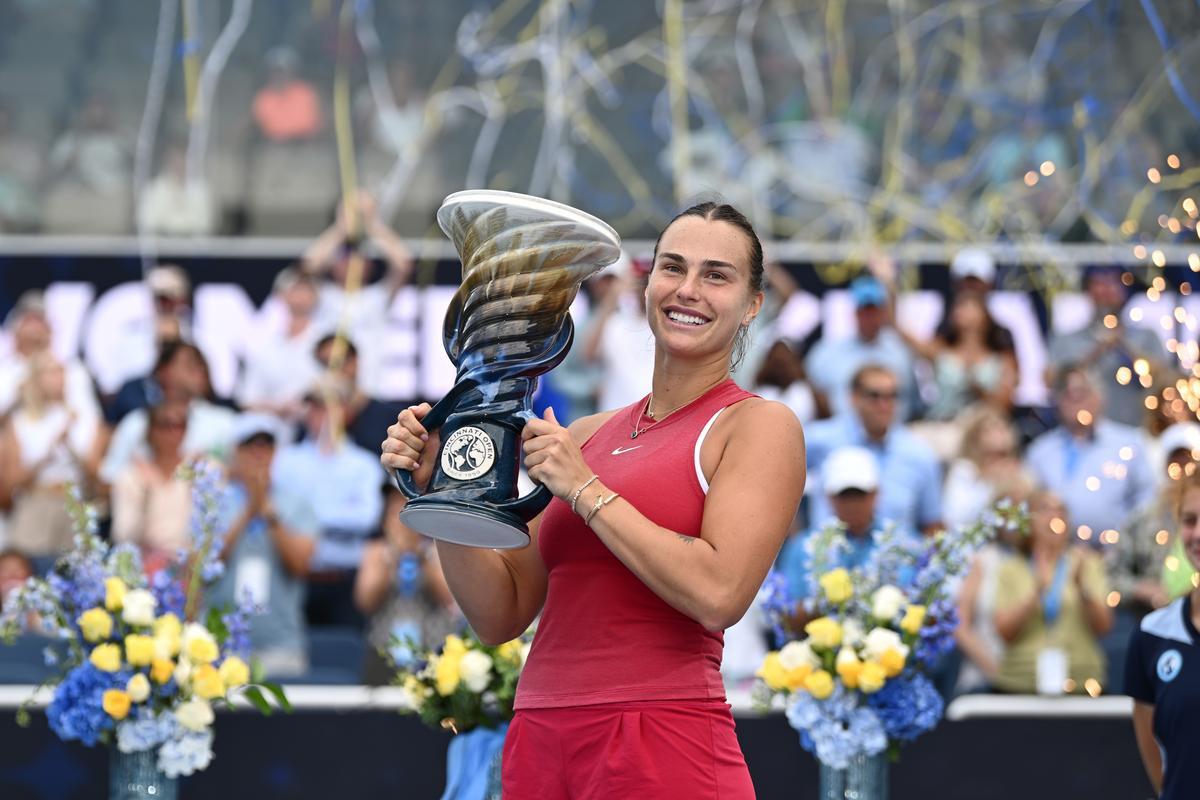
point(585, 428)
point(755, 417)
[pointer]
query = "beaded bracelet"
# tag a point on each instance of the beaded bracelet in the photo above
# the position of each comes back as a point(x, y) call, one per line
point(579, 491)
point(600, 503)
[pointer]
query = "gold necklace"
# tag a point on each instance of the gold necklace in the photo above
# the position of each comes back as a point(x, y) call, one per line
point(637, 431)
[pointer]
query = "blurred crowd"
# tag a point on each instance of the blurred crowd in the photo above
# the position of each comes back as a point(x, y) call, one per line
point(902, 431)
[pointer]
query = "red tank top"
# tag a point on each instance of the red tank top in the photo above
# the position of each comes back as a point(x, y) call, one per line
point(604, 636)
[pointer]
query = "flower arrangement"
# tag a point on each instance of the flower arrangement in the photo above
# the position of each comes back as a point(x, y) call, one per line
point(465, 684)
point(854, 680)
point(139, 669)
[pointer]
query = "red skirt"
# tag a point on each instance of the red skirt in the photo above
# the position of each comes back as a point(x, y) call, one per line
point(625, 750)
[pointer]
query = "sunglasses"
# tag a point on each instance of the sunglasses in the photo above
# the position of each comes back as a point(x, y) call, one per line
point(877, 396)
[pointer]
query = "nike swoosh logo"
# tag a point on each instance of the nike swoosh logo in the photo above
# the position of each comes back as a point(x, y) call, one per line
point(620, 450)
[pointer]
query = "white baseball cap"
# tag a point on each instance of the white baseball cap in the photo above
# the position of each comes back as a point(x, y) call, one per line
point(1180, 436)
point(973, 262)
point(850, 468)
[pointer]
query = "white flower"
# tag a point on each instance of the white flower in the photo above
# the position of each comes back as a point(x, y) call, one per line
point(475, 669)
point(183, 673)
point(852, 632)
point(880, 640)
point(198, 644)
point(138, 688)
point(797, 654)
point(138, 607)
point(195, 714)
point(887, 602)
point(846, 655)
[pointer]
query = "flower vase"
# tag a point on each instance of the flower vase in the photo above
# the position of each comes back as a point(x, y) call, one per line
point(865, 778)
point(133, 776)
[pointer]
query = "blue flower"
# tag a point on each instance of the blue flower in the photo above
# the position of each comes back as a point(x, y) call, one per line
point(186, 753)
point(836, 729)
point(908, 706)
point(76, 711)
point(145, 730)
point(168, 591)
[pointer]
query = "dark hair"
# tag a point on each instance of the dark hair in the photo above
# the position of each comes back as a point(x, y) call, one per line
point(723, 212)
point(856, 382)
point(1063, 376)
point(170, 348)
point(329, 338)
point(996, 338)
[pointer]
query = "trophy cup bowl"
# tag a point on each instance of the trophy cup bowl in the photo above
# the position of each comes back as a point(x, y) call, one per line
point(523, 259)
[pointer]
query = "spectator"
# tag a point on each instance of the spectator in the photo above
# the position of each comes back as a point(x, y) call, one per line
point(1050, 608)
point(394, 126)
point(617, 339)
point(171, 205)
point(132, 356)
point(151, 501)
point(973, 270)
point(269, 537)
point(1107, 344)
point(978, 642)
point(781, 377)
point(362, 309)
point(20, 176)
point(910, 487)
point(343, 482)
point(92, 153)
point(286, 108)
point(31, 336)
point(850, 479)
point(365, 417)
point(15, 569)
point(45, 450)
point(972, 358)
point(832, 364)
point(182, 378)
point(1094, 464)
point(401, 589)
point(988, 458)
point(282, 368)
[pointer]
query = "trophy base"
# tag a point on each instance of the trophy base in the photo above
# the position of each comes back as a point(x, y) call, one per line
point(474, 525)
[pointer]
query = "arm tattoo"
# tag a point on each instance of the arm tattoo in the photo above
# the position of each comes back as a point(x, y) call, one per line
point(685, 539)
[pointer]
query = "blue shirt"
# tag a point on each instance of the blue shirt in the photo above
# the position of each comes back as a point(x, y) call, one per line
point(1162, 667)
point(255, 565)
point(1065, 465)
point(831, 365)
point(910, 477)
point(345, 488)
point(793, 559)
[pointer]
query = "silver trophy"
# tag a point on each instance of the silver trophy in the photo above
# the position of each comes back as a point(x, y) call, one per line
point(523, 259)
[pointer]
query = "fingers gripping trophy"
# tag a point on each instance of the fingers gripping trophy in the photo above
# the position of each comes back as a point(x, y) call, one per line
point(523, 259)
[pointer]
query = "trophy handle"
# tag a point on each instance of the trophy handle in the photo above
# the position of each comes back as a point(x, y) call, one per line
point(530, 505)
point(432, 421)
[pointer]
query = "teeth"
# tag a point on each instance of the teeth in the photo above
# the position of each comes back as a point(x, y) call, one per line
point(685, 318)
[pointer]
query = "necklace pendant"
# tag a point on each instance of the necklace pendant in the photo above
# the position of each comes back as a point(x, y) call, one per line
point(634, 434)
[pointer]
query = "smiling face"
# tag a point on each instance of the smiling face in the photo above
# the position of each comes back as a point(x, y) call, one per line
point(699, 294)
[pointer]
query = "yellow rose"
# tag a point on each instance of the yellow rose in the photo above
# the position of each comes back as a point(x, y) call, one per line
point(139, 650)
point(871, 677)
point(116, 703)
point(824, 633)
point(138, 688)
point(169, 627)
point(773, 673)
point(914, 618)
point(848, 667)
point(106, 657)
point(454, 646)
point(114, 593)
point(510, 651)
point(199, 644)
point(207, 683)
point(234, 672)
point(96, 624)
point(819, 684)
point(892, 662)
point(446, 673)
point(161, 670)
point(837, 586)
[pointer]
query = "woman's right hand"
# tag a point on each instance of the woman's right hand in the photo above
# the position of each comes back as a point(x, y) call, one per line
point(409, 446)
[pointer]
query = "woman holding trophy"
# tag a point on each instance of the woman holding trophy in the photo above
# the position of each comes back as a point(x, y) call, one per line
point(667, 516)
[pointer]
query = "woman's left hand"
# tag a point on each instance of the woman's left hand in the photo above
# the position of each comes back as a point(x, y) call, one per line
point(552, 457)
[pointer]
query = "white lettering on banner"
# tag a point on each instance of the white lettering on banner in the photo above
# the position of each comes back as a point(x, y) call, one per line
point(405, 358)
